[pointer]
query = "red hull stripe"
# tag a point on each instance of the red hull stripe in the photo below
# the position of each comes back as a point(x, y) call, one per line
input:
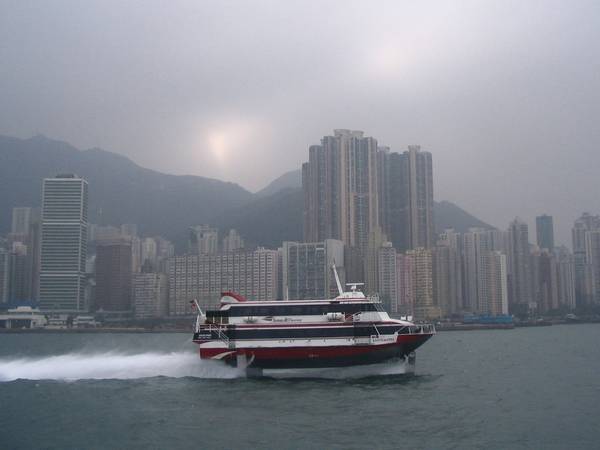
point(314, 352)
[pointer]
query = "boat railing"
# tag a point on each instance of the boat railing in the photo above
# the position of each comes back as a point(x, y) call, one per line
point(218, 330)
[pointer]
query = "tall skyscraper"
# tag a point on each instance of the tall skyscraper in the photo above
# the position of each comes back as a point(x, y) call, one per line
point(383, 176)
point(496, 286)
point(544, 228)
point(584, 283)
point(388, 277)
point(546, 281)
point(592, 259)
point(424, 306)
point(340, 186)
point(395, 172)
point(371, 260)
point(566, 279)
point(136, 252)
point(519, 268)
point(19, 270)
point(420, 198)
point(447, 273)
point(485, 272)
point(34, 249)
point(476, 246)
point(307, 272)
point(113, 275)
point(64, 243)
point(405, 267)
point(24, 246)
point(407, 194)
point(4, 268)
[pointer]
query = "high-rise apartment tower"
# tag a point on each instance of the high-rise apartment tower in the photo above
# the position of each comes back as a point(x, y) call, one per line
point(64, 243)
point(544, 228)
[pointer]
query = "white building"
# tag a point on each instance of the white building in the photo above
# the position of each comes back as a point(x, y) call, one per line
point(64, 243)
point(23, 317)
point(252, 274)
point(495, 299)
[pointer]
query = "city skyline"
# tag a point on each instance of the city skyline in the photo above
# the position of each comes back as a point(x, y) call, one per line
point(481, 271)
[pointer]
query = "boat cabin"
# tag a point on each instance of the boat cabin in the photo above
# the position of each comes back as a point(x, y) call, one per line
point(290, 311)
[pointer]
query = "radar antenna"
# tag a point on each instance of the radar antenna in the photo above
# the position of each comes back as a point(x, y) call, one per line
point(353, 286)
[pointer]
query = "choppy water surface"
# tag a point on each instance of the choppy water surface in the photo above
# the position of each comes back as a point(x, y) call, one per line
point(526, 388)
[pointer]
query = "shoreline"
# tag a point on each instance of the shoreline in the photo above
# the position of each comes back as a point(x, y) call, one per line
point(90, 330)
point(133, 330)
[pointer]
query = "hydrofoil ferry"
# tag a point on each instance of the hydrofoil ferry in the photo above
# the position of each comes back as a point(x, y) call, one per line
point(265, 337)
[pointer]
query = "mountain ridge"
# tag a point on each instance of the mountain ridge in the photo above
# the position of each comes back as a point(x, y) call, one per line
point(291, 179)
point(121, 191)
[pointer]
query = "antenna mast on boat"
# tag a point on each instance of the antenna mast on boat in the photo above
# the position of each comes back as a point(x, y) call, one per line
point(337, 279)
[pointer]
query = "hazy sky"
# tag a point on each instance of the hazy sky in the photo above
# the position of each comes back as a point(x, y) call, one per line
point(506, 94)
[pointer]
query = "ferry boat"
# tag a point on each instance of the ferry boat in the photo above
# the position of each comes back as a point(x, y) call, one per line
point(349, 330)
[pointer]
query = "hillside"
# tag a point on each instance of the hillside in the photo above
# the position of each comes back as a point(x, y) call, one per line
point(267, 221)
point(120, 190)
point(289, 180)
point(449, 215)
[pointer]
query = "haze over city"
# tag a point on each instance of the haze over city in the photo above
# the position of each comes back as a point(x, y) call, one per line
point(504, 94)
point(391, 205)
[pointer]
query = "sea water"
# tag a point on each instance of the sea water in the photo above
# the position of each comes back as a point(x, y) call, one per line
point(524, 388)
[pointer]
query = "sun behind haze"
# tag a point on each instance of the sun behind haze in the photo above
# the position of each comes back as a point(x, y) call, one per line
point(506, 94)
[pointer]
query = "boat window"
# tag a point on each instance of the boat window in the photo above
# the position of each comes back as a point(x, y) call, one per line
point(315, 310)
point(217, 317)
point(297, 310)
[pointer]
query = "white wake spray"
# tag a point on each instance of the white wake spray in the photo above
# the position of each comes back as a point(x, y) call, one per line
point(79, 366)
